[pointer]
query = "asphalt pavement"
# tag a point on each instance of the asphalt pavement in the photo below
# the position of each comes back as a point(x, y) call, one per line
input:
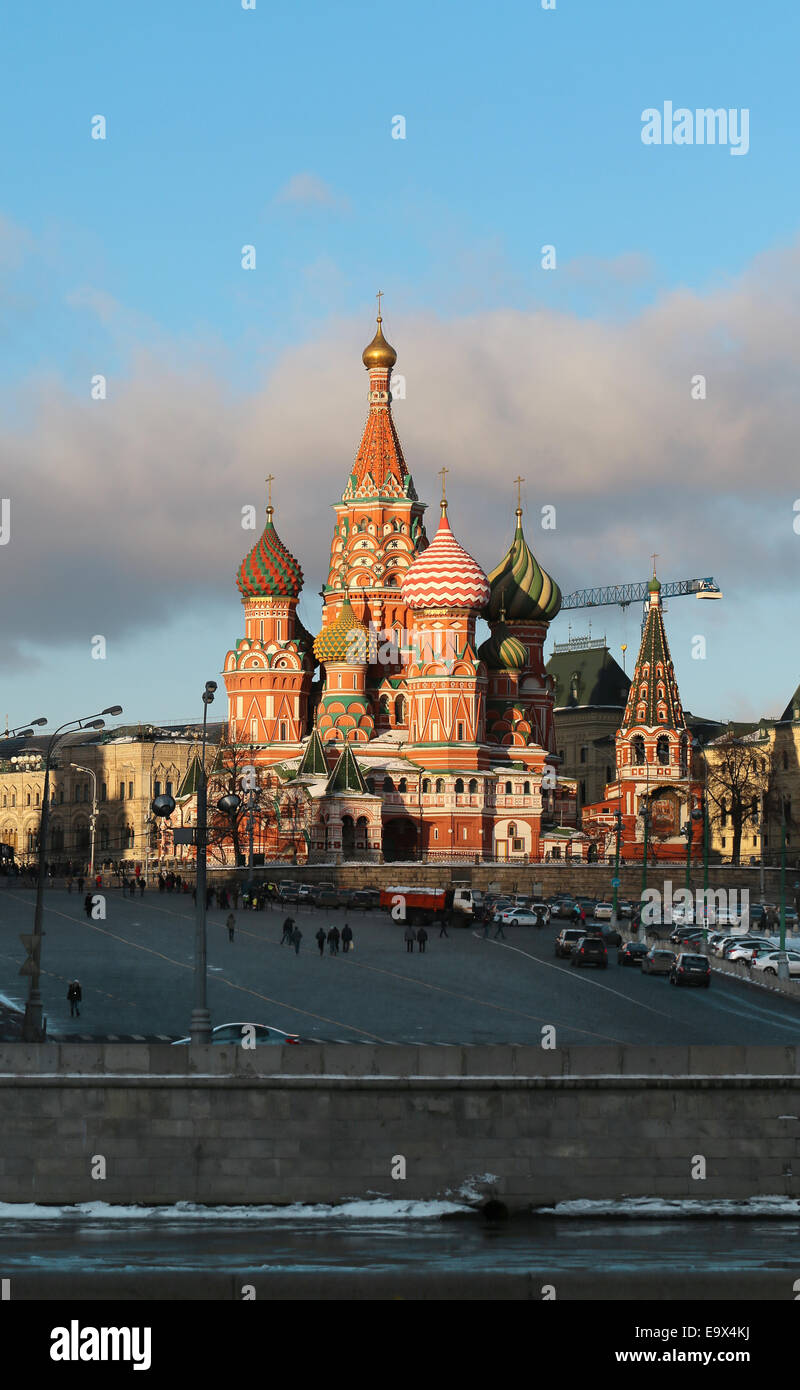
point(136, 973)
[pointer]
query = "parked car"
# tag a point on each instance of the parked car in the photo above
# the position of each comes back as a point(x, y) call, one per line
point(604, 912)
point(742, 951)
point(748, 943)
point(611, 936)
point(364, 899)
point(566, 939)
point(565, 908)
point(327, 897)
point(769, 962)
point(288, 893)
point(521, 917)
point(589, 950)
point(233, 1033)
point(625, 909)
point(658, 961)
point(631, 953)
point(687, 969)
point(543, 908)
point(679, 934)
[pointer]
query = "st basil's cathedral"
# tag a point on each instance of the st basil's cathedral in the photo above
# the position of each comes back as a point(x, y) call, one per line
point(414, 742)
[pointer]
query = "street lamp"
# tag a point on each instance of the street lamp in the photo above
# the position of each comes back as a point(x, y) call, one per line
point(200, 1026)
point(33, 1029)
point(93, 819)
point(24, 730)
point(26, 762)
point(615, 914)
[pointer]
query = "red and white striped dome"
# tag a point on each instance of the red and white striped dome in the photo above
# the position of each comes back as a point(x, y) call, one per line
point(445, 575)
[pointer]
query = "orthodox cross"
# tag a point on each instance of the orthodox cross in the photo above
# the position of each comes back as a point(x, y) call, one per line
point(442, 474)
point(519, 482)
point(655, 557)
point(379, 297)
point(269, 481)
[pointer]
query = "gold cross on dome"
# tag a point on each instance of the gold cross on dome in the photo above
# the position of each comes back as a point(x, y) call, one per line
point(269, 481)
point(655, 557)
point(443, 474)
point(379, 297)
point(519, 482)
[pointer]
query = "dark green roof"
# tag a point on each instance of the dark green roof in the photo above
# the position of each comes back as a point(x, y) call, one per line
point(313, 761)
point(600, 679)
point(191, 781)
point(347, 775)
point(792, 710)
point(654, 653)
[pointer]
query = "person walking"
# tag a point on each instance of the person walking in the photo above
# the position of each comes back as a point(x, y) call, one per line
point(333, 940)
point(347, 937)
point(88, 903)
point(500, 931)
point(422, 937)
point(410, 937)
point(443, 929)
point(297, 937)
point(230, 923)
point(288, 928)
point(321, 940)
point(81, 882)
point(74, 995)
point(141, 886)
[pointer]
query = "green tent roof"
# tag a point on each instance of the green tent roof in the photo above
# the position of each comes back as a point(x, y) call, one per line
point(347, 775)
point(313, 762)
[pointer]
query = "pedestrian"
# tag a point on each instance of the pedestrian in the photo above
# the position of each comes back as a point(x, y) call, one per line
point(422, 937)
point(297, 937)
point(230, 923)
point(347, 937)
point(410, 937)
point(333, 941)
point(254, 903)
point(162, 883)
point(245, 899)
point(74, 995)
point(99, 880)
point(141, 886)
point(321, 940)
point(133, 887)
point(81, 882)
point(500, 931)
point(88, 903)
point(443, 928)
point(288, 928)
point(539, 917)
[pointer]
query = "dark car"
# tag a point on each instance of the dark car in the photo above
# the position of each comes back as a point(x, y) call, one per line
point(363, 899)
point(690, 970)
point(564, 908)
point(611, 936)
point(327, 897)
point(687, 934)
point(658, 961)
point(590, 950)
point(632, 953)
point(567, 939)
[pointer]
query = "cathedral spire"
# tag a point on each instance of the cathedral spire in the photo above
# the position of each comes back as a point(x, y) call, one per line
point(653, 699)
point(380, 468)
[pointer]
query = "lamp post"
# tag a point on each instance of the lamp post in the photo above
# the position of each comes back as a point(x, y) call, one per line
point(615, 913)
point(783, 874)
point(32, 1024)
point(26, 762)
point(646, 814)
point(200, 1026)
point(93, 819)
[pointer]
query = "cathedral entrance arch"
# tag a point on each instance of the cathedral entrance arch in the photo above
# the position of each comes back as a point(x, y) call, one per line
point(399, 838)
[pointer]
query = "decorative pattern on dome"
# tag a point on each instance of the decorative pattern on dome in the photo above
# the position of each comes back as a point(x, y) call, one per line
point(503, 651)
point(445, 575)
point(270, 570)
point(653, 698)
point(521, 587)
point(346, 640)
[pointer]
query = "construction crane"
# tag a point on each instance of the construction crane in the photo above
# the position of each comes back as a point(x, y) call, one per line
point(625, 594)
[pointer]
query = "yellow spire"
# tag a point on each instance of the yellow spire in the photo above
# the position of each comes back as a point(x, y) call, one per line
point(379, 353)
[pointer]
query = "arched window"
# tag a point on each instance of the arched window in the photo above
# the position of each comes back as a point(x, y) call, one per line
point(459, 788)
point(37, 798)
point(473, 786)
point(637, 750)
point(526, 788)
point(388, 784)
point(440, 784)
point(402, 785)
point(662, 750)
point(508, 788)
point(426, 785)
point(512, 830)
point(684, 754)
point(400, 710)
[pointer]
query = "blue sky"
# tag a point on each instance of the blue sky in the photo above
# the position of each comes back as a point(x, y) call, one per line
point(273, 127)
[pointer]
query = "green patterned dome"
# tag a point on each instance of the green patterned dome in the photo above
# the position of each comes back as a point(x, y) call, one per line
point(345, 640)
point(503, 651)
point(270, 570)
point(520, 589)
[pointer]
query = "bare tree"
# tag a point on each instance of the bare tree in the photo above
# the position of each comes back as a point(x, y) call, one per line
point(235, 773)
point(740, 773)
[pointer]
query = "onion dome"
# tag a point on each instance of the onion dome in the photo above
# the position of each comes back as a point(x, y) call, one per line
point(270, 570)
point(521, 587)
point(445, 575)
point(345, 640)
point(503, 651)
point(379, 353)
point(654, 585)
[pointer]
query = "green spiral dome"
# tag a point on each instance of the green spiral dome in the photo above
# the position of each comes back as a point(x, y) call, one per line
point(503, 651)
point(520, 589)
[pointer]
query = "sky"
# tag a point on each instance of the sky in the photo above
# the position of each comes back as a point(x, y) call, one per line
point(273, 127)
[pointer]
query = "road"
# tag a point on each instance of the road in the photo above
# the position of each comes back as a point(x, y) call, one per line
point(136, 972)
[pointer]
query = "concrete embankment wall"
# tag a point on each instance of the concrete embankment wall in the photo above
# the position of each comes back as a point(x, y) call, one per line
point(324, 1123)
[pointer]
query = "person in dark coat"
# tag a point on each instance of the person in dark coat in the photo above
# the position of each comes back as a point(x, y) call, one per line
point(333, 941)
point(500, 931)
point(74, 995)
point(410, 937)
point(81, 882)
point(422, 937)
point(347, 936)
point(443, 928)
point(288, 928)
point(87, 905)
point(297, 937)
point(321, 940)
point(141, 886)
point(230, 923)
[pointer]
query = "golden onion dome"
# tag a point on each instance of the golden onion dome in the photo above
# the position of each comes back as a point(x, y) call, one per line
point(379, 353)
point(345, 640)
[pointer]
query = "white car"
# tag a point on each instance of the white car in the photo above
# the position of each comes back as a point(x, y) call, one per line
point(769, 962)
point(604, 912)
point(521, 917)
point(239, 1033)
point(723, 941)
point(745, 952)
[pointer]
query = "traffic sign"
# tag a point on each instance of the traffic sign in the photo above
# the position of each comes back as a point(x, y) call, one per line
point(615, 882)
